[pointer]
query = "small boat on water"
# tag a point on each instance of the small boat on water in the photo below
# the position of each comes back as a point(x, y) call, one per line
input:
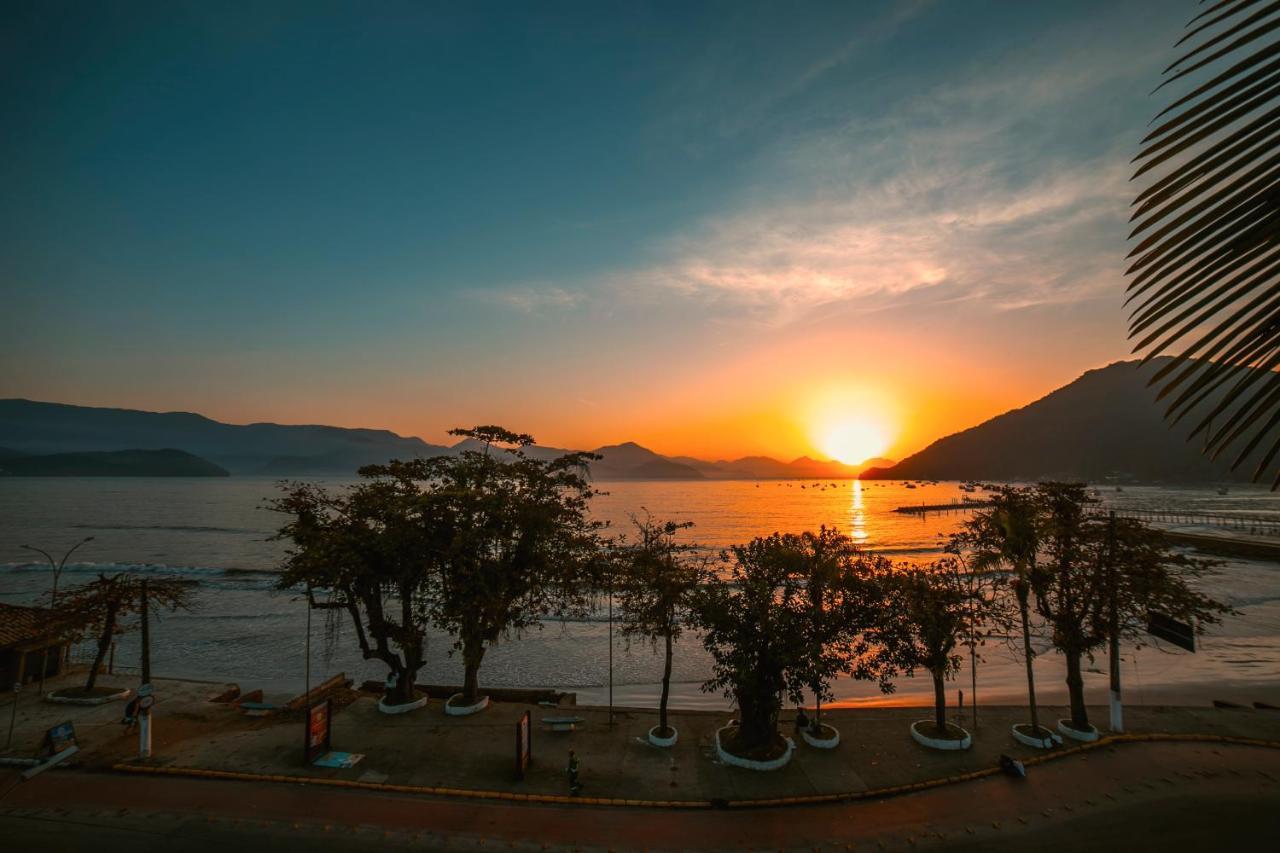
point(1223, 490)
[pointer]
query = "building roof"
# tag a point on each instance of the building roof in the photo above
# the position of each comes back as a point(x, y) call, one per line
point(21, 626)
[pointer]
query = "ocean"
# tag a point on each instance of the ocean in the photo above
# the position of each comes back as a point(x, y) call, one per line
point(217, 532)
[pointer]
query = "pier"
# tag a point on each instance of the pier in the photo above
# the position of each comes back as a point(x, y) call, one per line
point(955, 506)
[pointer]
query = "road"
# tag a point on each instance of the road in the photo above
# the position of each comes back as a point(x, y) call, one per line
point(1156, 796)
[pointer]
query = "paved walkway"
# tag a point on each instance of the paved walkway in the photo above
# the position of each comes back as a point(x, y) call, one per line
point(428, 749)
point(1145, 796)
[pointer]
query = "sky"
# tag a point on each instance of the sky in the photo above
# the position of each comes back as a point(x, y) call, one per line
point(716, 229)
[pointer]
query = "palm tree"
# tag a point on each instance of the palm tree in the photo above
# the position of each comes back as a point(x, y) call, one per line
point(1008, 536)
point(1207, 262)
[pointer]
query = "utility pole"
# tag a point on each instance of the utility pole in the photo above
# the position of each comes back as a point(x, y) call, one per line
point(611, 648)
point(306, 690)
point(1117, 710)
point(145, 697)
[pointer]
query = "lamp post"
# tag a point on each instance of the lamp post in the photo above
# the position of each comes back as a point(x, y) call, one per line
point(53, 598)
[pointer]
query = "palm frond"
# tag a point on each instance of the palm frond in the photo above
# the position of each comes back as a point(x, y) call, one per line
point(1205, 273)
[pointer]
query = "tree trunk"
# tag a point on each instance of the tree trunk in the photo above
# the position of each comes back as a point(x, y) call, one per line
point(939, 701)
point(756, 729)
point(104, 645)
point(405, 690)
point(146, 634)
point(816, 725)
point(1024, 609)
point(472, 655)
point(663, 728)
point(1075, 689)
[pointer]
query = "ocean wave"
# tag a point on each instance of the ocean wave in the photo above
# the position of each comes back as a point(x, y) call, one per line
point(93, 568)
point(178, 528)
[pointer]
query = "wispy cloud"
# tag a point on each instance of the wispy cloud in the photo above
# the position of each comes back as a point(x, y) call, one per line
point(529, 298)
point(977, 188)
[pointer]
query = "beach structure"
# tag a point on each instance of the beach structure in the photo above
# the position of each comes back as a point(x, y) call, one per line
point(27, 644)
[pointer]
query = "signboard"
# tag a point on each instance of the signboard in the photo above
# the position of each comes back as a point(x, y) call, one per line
point(524, 745)
point(1180, 634)
point(60, 737)
point(318, 730)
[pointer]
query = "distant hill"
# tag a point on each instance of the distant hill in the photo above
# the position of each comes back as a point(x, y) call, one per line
point(110, 463)
point(279, 450)
point(42, 428)
point(1104, 425)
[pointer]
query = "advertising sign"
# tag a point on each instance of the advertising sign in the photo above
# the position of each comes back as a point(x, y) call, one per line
point(1171, 630)
point(60, 737)
point(318, 730)
point(524, 745)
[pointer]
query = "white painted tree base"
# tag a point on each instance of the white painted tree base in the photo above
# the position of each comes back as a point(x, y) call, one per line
point(401, 709)
point(1049, 741)
point(88, 700)
point(821, 743)
point(734, 761)
point(464, 710)
point(663, 741)
point(937, 742)
point(1089, 736)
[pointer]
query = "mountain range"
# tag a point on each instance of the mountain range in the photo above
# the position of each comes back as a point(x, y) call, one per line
point(30, 428)
point(1106, 425)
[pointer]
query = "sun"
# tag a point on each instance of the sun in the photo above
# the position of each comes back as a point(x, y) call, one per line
point(854, 440)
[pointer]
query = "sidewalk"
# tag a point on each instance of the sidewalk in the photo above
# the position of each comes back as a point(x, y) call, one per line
point(1143, 796)
point(425, 748)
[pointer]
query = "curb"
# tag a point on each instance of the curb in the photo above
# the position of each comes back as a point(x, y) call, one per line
point(812, 799)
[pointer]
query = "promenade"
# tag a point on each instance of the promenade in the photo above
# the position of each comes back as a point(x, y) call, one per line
point(426, 749)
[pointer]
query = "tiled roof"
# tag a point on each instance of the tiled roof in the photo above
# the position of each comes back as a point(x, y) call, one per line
point(20, 625)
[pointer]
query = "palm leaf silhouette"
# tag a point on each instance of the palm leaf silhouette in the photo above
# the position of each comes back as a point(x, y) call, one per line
point(1205, 272)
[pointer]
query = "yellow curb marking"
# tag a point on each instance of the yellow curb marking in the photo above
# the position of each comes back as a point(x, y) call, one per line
point(810, 799)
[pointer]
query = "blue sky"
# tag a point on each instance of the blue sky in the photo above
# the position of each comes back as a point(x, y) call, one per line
point(591, 221)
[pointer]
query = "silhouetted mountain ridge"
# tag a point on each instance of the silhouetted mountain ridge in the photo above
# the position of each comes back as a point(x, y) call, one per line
point(30, 427)
point(111, 463)
point(1104, 425)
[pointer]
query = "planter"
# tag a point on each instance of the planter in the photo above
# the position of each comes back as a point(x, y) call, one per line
point(464, 710)
point(1087, 736)
point(123, 693)
point(962, 742)
point(420, 702)
point(663, 741)
point(734, 761)
point(831, 741)
point(1026, 738)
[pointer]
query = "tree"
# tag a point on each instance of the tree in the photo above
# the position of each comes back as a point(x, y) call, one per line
point(365, 551)
point(933, 609)
point(751, 626)
point(1087, 560)
point(1206, 267)
point(655, 579)
point(1007, 536)
point(101, 608)
point(840, 604)
point(510, 536)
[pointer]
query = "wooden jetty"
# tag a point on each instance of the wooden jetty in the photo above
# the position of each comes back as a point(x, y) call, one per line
point(958, 506)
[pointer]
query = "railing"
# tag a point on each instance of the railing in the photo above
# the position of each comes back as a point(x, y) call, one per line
point(84, 654)
point(1255, 525)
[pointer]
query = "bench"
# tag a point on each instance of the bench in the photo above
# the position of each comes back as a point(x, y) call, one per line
point(562, 724)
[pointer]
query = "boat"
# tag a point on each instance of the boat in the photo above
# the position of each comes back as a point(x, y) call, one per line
point(1223, 490)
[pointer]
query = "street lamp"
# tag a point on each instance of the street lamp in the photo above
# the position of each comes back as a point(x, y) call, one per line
point(53, 598)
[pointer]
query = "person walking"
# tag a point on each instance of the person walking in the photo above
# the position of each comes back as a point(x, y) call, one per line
point(575, 785)
point(130, 721)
